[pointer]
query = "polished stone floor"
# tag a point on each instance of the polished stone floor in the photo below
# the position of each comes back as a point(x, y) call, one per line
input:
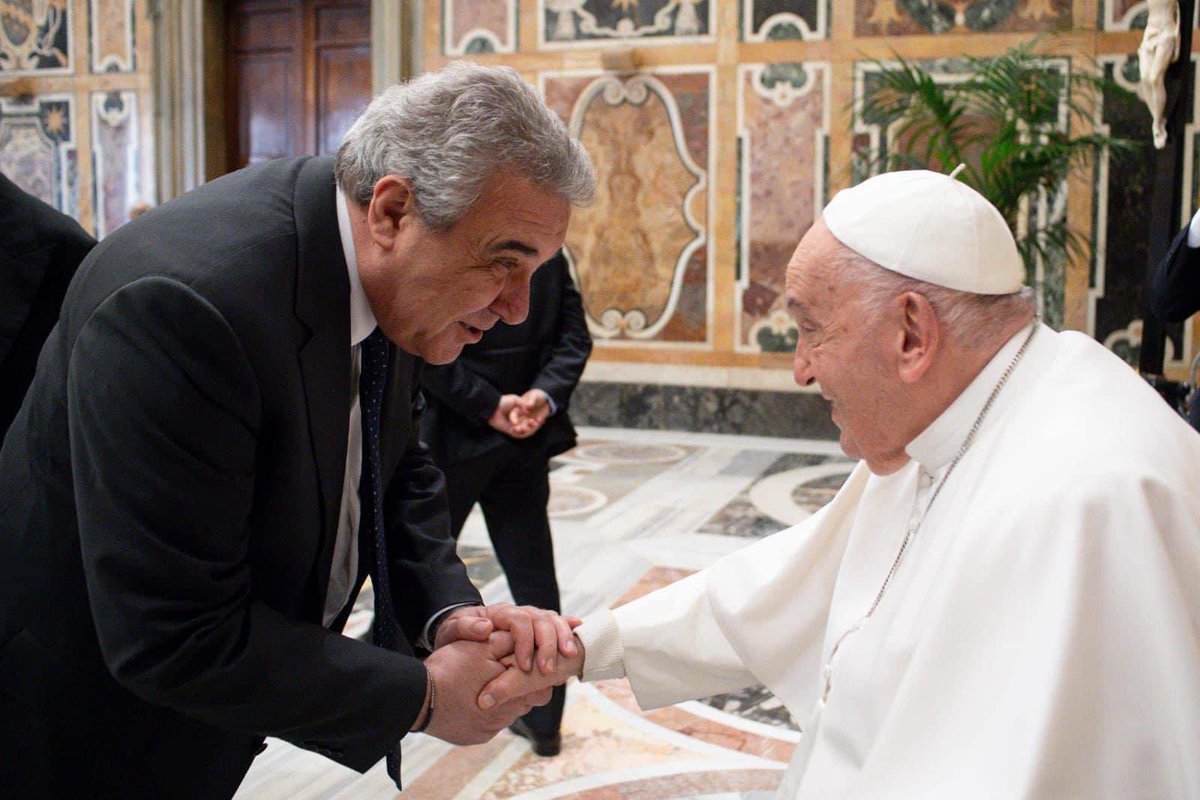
point(631, 511)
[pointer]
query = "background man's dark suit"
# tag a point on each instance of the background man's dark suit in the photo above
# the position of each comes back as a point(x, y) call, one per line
point(169, 500)
point(509, 477)
point(1175, 294)
point(40, 247)
point(1175, 289)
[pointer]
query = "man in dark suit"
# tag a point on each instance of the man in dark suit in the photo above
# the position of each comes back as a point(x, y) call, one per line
point(221, 444)
point(496, 416)
point(1175, 289)
point(40, 248)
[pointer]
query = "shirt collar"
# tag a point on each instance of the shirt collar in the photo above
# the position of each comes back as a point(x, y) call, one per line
point(362, 321)
point(939, 443)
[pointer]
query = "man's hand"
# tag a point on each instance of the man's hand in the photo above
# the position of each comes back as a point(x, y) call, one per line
point(515, 683)
point(459, 670)
point(531, 629)
point(502, 417)
point(533, 409)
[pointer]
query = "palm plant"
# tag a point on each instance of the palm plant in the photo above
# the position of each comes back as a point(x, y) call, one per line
point(1009, 122)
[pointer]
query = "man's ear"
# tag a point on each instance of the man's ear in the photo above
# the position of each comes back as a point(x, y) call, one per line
point(920, 336)
point(392, 205)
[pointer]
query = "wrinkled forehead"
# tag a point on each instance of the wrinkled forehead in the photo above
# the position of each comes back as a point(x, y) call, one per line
point(812, 278)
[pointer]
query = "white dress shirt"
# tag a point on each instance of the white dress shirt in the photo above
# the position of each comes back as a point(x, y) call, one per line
point(344, 570)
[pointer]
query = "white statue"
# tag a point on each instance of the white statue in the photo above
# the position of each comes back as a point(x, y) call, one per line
point(564, 23)
point(1159, 48)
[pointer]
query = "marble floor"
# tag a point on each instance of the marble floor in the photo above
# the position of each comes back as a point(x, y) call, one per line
point(631, 511)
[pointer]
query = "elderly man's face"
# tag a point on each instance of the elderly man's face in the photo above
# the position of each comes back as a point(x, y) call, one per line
point(843, 351)
point(432, 292)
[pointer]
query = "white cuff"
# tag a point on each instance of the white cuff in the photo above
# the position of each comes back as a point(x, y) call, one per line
point(603, 654)
point(1193, 239)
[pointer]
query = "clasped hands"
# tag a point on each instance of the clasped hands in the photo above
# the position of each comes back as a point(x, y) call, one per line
point(520, 416)
point(492, 664)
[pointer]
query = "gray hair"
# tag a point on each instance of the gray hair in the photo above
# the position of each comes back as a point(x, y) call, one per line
point(974, 320)
point(450, 131)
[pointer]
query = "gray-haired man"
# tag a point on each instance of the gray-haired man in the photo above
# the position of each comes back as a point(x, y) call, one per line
point(220, 445)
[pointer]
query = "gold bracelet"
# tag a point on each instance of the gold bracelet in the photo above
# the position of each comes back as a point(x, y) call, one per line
point(432, 687)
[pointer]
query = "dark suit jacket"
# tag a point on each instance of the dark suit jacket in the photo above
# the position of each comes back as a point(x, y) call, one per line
point(547, 351)
point(169, 497)
point(1175, 288)
point(40, 247)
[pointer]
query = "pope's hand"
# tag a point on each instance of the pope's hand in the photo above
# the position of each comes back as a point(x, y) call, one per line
point(532, 630)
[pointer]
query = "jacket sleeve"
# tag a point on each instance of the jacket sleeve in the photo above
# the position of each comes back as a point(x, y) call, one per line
point(164, 434)
point(425, 570)
point(456, 387)
point(1175, 287)
point(561, 373)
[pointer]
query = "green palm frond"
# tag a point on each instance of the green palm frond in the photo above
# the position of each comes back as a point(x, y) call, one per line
point(1009, 122)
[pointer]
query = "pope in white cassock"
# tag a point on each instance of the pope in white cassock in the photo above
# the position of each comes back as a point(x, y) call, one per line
point(1003, 600)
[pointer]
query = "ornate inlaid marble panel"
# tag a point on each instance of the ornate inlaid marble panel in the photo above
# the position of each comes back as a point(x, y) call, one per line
point(640, 252)
point(479, 26)
point(587, 23)
point(783, 132)
point(35, 37)
point(112, 36)
point(920, 17)
point(775, 20)
point(114, 158)
point(1122, 15)
point(875, 137)
point(37, 148)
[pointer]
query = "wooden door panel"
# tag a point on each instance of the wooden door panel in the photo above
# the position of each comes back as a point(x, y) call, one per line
point(343, 90)
point(299, 72)
point(266, 107)
point(344, 22)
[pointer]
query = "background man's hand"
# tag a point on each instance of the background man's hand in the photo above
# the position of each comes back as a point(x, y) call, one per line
point(533, 409)
point(459, 670)
point(532, 631)
point(502, 417)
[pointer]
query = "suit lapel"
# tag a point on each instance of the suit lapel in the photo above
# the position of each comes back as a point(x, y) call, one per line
point(323, 305)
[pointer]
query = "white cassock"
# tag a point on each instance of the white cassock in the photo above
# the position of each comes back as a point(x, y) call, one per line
point(1041, 638)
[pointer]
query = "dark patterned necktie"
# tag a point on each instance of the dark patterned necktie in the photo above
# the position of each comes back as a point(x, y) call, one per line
point(372, 538)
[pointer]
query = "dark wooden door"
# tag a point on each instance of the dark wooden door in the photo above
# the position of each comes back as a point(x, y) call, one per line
point(298, 72)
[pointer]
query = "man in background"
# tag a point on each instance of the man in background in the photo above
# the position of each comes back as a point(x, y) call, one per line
point(40, 248)
point(497, 414)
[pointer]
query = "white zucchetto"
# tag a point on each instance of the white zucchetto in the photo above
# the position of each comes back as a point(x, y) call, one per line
point(930, 227)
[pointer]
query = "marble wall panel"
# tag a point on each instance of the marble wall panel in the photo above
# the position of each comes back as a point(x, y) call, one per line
point(1122, 15)
point(115, 156)
point(747, 412)
point(35, 37)
point(921, 17)
point(479, 26)
point(776, 20)
point(783, 132)
point(37, 148)
point(873, 139)
point(640, 251)
point(588, 23)
point(112, 36)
